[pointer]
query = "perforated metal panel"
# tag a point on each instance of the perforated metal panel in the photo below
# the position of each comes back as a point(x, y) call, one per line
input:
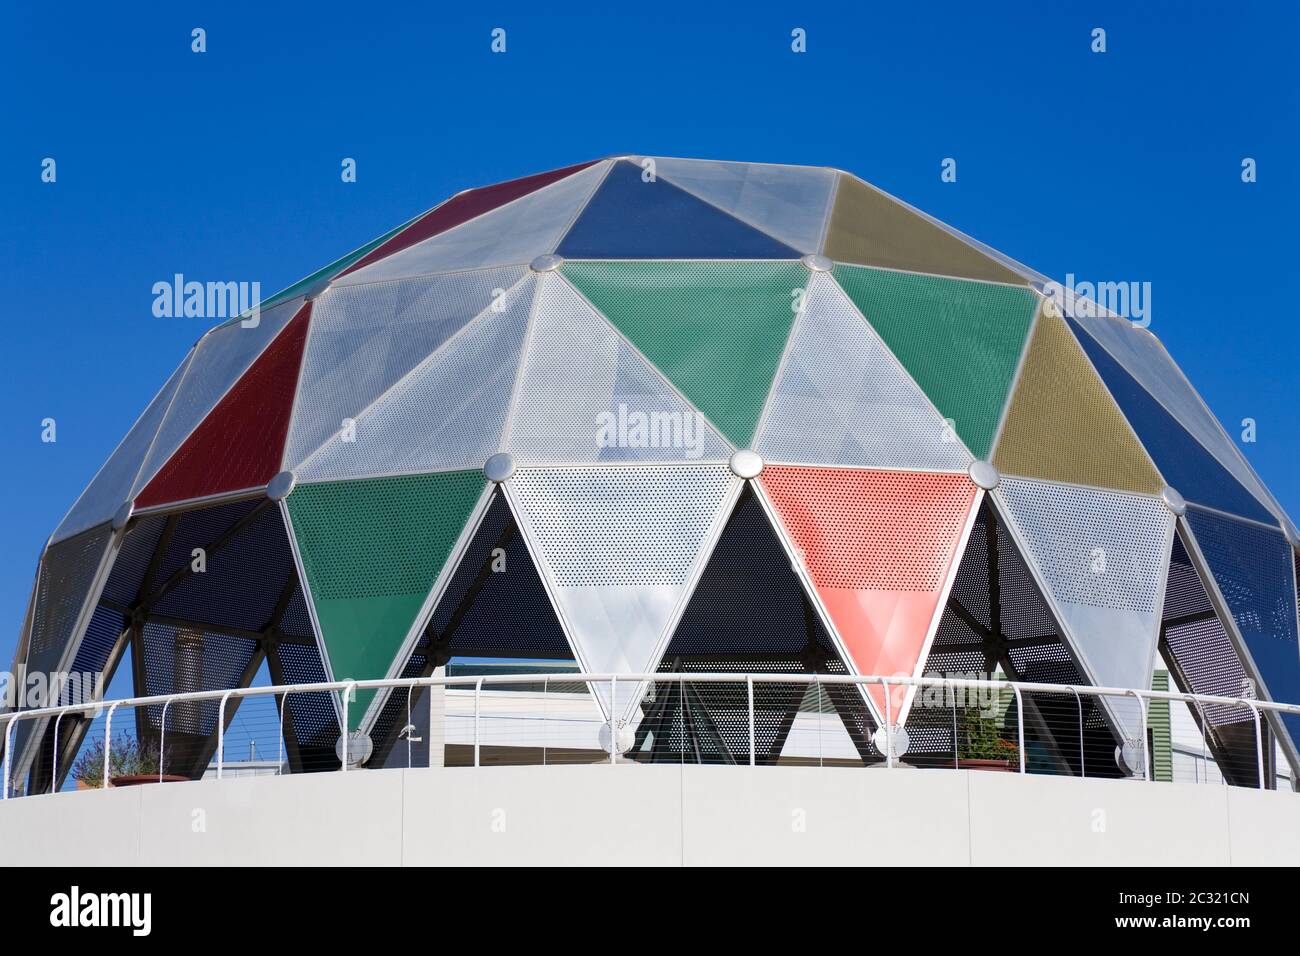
point(111, 486)
point(635, 216)
point(1183, 461)
point(878, 546)
point(1103, 555)
point(620, 546)
point(869, 228)
point(242, 580)
point(202, 528)
point(842, 398)
point(514, 233)
point(716, 330)
point(1062, 424)
point(585, 394)
point(371, 551)
point(364, 339)
point(787, 202)
point(132, 561)
point(219, 360)
point(205, 661)
point(1253, 568)
point(66, 580)
point(447, 412)
point(960, 341)
point(1145, 358)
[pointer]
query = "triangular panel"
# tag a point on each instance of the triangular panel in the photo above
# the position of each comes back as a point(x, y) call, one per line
point(366, 338)
point(326, 273)
point(716, 330)
point(512, 234)
point(636, 216)
point(879, 547)
point(462, 208)
point(842, 398)
point(371, 551)
point(446, 413)
point(1254, 571)
point(1184, 462)
point(1103, 556)
point(219, 361)
point(1062, 424)
point(961, 341)
point(789, 203)
point(618, 409)
point(111, 486)
point(869, 228)
point(620, 547)
point(240, 442)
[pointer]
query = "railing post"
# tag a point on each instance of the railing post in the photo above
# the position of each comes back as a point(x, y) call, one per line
point(546, 715)
point(613, 708)
point(1259, 742)
point(952, 696)
point(279, 767)
point(889, 726)
point(221, 734)
point(749, 690)
point(162, 740)
point(348, 691)
point(1020, 725)
point(1083, 766)
point(108, 740)
point(478, 690)
point(54, 761)
point(1142, 712)
point(9, 746)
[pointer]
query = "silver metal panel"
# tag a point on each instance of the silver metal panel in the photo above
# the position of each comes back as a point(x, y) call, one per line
point(587, 395)
point(220, 359)
point(111, 486)
point(517, 232)
point(446, 413)
point(365, 339)
point(1145, 358)
point(842, 398)
point(620, 548)
point(787, 202)
point(1104, 557)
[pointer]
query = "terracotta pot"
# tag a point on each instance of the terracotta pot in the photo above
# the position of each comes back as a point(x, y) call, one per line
point(134, 779)
point(971, 763)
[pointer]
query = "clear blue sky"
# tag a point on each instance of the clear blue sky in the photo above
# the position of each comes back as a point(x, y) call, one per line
point(225, 166)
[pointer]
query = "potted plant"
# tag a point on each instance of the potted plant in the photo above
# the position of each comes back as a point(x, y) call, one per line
point(980, 745)
point(130, 762)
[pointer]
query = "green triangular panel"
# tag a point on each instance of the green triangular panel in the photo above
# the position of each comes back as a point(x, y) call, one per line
point(716, 330)
point(371, 551)
point(960, 340)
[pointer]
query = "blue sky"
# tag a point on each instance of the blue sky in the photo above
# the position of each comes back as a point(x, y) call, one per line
point(225, 165)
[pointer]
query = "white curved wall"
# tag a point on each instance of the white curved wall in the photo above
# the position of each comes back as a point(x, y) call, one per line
point(655, 815)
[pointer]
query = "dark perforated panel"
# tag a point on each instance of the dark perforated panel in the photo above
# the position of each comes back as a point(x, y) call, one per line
point(178, 659)
point(200, 528)
point(132, 562)
point(66, 576)
point(92, 656)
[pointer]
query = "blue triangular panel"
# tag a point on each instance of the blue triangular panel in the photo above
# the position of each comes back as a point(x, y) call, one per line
point(1182, 461)
point(629, 218)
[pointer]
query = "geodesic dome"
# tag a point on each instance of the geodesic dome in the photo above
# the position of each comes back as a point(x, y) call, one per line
point(733, 416)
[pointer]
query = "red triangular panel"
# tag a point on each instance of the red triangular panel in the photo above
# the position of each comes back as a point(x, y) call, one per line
point(240, 442)
point(878, 546)
point(462, 208)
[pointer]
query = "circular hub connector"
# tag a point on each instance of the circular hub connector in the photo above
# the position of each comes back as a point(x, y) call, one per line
point(984, 475)
point(1173, 500)
point(546, 263)
point(745, 464)
point(499, 467)
point(279, 487)
point(817, 263)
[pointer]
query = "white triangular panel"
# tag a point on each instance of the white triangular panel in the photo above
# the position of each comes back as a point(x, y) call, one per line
point(1104, 557)
point(219, 360)
point(841, 398)
point(620, 548)
point(364, 339)
point(111, 486)
point(515, 233)
point(790, 203)
point(447, 413)
point(618, 409)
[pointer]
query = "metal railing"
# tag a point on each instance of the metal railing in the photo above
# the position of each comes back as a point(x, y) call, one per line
point(1097, 709)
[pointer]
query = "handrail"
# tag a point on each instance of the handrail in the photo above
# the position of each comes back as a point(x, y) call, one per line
point(478, 682)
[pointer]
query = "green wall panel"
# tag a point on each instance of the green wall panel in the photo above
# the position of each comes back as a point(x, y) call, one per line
point(715, 329)
point(960, 340)
point(371, 551)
